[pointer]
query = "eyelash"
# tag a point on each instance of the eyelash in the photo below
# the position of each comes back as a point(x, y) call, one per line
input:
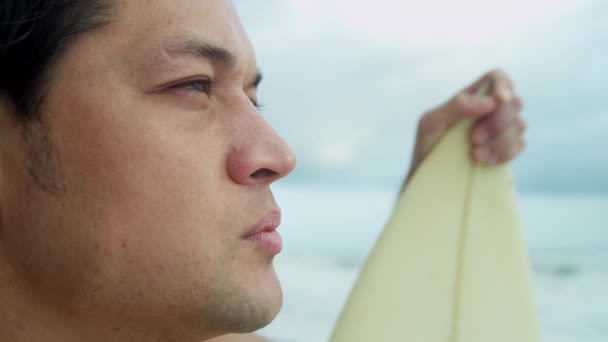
point(206, 86)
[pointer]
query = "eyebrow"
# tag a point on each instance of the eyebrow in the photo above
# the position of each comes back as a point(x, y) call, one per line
point(195, 48)
point(200, 49)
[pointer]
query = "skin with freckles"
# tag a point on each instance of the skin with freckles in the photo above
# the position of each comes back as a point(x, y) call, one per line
point(124, 208)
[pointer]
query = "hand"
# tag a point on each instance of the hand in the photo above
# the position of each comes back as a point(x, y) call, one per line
point(497, 133)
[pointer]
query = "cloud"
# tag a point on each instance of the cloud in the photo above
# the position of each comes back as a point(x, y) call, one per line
point(346, 91)
point(428, 22)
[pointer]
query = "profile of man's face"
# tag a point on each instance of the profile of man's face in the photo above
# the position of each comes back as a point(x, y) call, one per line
point(160, 165)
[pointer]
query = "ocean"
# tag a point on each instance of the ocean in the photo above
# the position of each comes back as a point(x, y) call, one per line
point(327, 233)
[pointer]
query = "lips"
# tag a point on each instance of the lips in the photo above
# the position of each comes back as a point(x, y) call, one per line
point(264, 233)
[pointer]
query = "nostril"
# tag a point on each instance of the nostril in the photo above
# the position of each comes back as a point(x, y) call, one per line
point(263, 173)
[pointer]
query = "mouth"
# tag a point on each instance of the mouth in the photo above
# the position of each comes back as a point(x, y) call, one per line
point(264, 233)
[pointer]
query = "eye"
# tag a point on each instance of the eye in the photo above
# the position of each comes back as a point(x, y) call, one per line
point(257, 105)
point(193, 93)
point(199, 85)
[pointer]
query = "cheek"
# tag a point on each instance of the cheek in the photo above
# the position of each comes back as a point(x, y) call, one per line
point(151, 187)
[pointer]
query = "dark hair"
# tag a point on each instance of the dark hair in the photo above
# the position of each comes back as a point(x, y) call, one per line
point(33, 34)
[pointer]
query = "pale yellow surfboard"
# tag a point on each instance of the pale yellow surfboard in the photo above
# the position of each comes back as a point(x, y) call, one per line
point(451, 264)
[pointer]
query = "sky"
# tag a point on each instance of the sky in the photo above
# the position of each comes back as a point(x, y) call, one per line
point(346, 81)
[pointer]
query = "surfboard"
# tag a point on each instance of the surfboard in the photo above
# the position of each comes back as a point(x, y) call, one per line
point(451, 264)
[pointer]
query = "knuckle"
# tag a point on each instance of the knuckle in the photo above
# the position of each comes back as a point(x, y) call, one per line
point(429, 121)
point(522, 124)
point(459, 101)
point(507, 146)
point(506, 152)
point(517, 148)
point(518, 102)
point(497, 72)
point(500, 75)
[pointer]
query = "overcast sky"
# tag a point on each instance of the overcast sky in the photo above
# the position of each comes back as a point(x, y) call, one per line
point(346, 81)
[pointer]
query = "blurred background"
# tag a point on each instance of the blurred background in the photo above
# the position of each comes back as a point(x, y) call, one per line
point(345, 83)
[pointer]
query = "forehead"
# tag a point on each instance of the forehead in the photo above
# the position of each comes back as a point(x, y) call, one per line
point(154, 28)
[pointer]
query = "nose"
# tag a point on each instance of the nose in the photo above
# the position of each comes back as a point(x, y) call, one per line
point(259, 155)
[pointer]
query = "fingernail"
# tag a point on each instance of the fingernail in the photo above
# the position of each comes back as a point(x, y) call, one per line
point(481, 135)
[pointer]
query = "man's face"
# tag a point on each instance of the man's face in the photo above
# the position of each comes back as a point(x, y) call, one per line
point(160, 165)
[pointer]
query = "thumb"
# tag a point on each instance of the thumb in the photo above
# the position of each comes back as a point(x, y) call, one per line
point(471, 103)
point(468, 104)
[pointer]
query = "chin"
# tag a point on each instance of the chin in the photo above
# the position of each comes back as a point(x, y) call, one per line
point(249, 306)
point(265, 305)
point(272, 308)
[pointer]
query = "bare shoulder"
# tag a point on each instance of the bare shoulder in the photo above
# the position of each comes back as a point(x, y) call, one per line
point(239, 338)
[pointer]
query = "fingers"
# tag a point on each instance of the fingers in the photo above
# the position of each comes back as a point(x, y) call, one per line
point(501, 85)
point(463, 105)
point(507, 114)
point(503, 146)
point(435, 123)
point(469, 104)
point(498, 137)
point(497, 134)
